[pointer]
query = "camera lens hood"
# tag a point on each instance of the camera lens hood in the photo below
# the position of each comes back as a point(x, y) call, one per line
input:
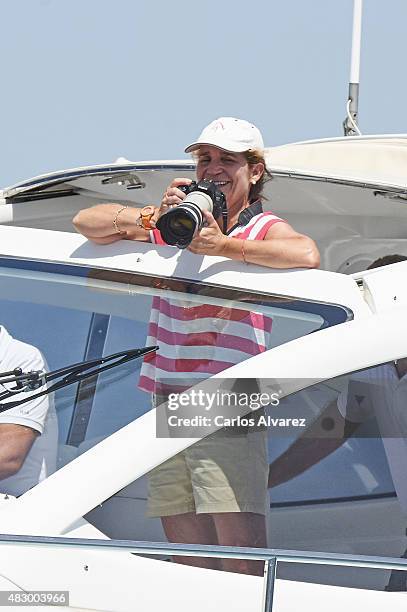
point(179, 225)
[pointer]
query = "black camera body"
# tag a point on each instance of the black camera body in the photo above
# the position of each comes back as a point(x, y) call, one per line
point(180, 224)
point(210, 188)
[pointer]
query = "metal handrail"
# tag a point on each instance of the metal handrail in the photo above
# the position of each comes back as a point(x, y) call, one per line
point(270, 556)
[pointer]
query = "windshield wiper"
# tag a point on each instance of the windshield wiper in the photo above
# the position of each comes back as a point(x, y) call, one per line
point(70, 374)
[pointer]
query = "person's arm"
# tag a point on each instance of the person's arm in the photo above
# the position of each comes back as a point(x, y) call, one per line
point(107, 223)
point(15, 444)
point(314, 445)
point(21, 425)
point(282, 246)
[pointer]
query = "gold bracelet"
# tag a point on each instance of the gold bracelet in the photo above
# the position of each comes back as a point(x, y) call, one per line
point(243, 253)
point(116, 227)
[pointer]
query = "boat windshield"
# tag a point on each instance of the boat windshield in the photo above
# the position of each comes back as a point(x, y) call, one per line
point(73, 313)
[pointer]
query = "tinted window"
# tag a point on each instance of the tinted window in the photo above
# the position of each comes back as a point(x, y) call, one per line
point(357, 465)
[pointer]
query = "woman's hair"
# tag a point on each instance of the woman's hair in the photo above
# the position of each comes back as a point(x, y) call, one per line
point(254, 156)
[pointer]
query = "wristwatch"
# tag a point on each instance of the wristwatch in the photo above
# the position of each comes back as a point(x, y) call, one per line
point(146, 215)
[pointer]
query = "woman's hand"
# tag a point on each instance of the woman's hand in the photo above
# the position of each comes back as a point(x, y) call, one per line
point(172, 195)
point(210, 240)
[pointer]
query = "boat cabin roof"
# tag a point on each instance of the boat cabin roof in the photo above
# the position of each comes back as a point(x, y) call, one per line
point(349, 194)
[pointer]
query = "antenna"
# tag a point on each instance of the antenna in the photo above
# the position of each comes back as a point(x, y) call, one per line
point(350, 125)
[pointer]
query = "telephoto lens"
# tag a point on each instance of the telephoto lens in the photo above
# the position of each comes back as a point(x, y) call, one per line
point(179, 225)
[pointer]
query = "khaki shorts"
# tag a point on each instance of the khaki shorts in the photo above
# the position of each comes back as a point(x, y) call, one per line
point(220, 473)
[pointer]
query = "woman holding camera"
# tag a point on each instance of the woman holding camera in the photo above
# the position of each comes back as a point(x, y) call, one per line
point(229, 152)
point(216, 491)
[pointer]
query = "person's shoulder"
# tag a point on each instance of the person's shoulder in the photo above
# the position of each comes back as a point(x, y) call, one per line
point(267, 218)
point(259, 226)
point(24, 355)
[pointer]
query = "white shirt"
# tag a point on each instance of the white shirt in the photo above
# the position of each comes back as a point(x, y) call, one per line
point(379, 392)
point(39, 414)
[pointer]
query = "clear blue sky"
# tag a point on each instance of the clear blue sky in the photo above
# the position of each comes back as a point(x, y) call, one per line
point(86, 81)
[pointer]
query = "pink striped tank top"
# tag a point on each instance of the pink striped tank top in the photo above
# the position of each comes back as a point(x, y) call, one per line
point(199, 340)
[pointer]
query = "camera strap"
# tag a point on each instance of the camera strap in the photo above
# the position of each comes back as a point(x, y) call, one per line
point(224, 217)
point(244, 217)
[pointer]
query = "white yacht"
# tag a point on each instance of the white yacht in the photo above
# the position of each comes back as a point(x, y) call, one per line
point(337, 530)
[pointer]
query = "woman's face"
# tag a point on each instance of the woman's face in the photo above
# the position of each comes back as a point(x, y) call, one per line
point(230, 172)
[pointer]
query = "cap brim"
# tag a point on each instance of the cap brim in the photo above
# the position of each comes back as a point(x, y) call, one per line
point(195, 145)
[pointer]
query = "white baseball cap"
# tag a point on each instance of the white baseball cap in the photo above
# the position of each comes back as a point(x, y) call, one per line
point(230, 134)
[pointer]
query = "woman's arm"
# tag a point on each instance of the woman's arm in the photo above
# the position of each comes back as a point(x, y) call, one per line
point(282, 246)
point(106, 223)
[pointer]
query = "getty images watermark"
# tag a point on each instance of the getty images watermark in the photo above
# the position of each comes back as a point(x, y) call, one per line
point(208, 400)
point(199, 411)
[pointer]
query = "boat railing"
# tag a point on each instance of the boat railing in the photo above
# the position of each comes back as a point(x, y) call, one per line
point(270, 556)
